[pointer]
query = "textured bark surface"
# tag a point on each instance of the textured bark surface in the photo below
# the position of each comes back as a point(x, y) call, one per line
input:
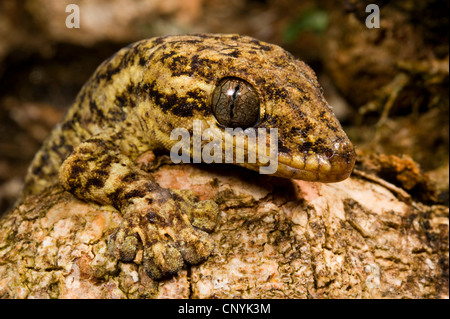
point(275, 239)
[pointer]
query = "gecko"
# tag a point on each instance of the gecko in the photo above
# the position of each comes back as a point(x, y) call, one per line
point(133, 101)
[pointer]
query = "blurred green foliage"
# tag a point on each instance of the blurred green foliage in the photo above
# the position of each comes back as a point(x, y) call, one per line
point(311, 20)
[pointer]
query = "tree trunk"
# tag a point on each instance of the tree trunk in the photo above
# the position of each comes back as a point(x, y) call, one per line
point(275, 238)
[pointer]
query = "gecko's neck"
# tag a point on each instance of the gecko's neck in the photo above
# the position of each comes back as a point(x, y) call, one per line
point(106, 100)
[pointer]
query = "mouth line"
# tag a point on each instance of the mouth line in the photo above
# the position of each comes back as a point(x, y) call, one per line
point(312, 176)
point(315, 167)
point(311, 166)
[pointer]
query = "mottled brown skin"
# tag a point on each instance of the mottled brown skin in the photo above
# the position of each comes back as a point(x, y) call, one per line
point(134, 100)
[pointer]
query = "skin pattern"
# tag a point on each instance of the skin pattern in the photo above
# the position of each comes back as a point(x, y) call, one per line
point(138, 96)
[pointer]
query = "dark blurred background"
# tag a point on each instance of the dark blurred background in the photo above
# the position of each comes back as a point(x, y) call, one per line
point(388, 85)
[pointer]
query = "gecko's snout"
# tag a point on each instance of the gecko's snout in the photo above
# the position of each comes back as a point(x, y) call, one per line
point(327, 164)
point(341, 159)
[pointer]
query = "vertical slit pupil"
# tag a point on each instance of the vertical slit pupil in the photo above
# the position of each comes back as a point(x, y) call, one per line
point(235, 103)
point(233, 100)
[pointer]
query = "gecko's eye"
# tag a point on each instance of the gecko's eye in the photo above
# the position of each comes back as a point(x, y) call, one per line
point(235, 103)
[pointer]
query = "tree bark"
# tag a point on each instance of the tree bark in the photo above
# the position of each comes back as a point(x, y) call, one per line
point(275, 238)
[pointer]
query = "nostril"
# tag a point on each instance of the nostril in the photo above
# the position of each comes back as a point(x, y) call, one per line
point(329, 154)
point(341, 150)
point(341, 145)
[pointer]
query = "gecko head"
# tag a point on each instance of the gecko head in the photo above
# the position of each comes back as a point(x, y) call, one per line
point(231, 81)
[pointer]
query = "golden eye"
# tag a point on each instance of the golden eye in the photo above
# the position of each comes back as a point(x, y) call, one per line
point(235, 103)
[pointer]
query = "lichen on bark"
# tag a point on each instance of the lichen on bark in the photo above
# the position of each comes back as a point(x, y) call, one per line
point(275, 238)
